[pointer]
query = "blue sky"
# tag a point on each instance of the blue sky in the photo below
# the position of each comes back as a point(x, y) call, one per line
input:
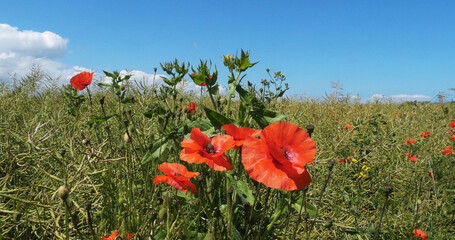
point(389, 48)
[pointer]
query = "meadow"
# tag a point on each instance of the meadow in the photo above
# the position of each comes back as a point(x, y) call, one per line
point(98, 161)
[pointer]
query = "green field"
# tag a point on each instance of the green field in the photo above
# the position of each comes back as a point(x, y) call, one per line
point(105, 149)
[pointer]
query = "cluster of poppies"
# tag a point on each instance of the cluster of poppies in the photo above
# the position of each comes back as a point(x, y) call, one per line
point(277, 159)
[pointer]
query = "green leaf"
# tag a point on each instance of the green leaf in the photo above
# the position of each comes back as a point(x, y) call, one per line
point(244, 192)
point(99, 120)
point(159, 149)
point(265, 117)
point(108, 74)
point(217, 119)
point(104, 85)
point(147, 158)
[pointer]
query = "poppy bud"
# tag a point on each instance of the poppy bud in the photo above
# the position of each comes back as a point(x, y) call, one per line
point(222, 100)
point(162, 214)
point(88, 205)
point(309, 129)
point(126, 138)
point(86, 141)
point(388, 189)
point(122, 87)
point(63, 192)
point(267, 70)
point(154, 69)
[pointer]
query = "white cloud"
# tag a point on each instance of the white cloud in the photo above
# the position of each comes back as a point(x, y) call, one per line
point(400, 97)
point(19, 50)
point(404, 97)
point(377, 96)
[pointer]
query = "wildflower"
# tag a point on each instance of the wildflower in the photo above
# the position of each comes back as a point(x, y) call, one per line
point(411, 157)
point(452, 124)
point(342, 160)
point(81, 80)
point(419, 233)
point(239, 134)
point(278, 159)
point(177, 176)
point(431, 175)
point(452, 138)
point(115, 234)
point(360, 175)
point(399, 115)
point(201, 149)
point(450, 132)
point(191, 108)
point(410, 141)
point(347, 126)
point(425, 134)
point(447, 151)
point(228, 57)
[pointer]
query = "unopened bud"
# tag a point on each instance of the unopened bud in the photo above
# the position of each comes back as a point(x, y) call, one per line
point(126, 138)
point(63, 192)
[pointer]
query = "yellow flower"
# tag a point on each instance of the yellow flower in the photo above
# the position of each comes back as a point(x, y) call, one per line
point(354, 160)
point(228, 57)
point(363, 167)
point(361, 140)
point(368, 168)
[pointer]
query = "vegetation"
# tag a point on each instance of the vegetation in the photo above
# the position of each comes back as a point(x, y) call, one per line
point(81, 165)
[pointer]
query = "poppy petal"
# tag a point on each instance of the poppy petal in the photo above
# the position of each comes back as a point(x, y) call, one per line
point(261, 166)
point(222, 144)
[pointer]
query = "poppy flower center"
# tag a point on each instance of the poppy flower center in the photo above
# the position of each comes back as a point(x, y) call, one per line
point(177, 174)
point(210, 149)
point(285, 153)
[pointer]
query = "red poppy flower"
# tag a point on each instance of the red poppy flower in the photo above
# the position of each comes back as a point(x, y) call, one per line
point(239, 134)
point(347, 126)
point(116, 234)
point(452, 138)
point(419, 233)
point(201, 149)
point(425, 134)
point(278, 159)
point(447, 151)
point(81, 80)
point(410, 141)
point(411, 157)
point(452, 124)
point(177, 176)
point(450, 132)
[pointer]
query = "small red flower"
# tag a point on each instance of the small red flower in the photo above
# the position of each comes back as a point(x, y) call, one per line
point(177, 176)
point(115, 235)
point(81, 80)
point(410, 141)
point(431, 175)
point(411, 157)
point(399, 115)
point(201, 149)
point(425, 134)
point(191, 108)
point(452, 138)
point(419, 233)
point(447, 151)
point(452, 124)
point(450, 132)
point(239, 134)
point(347, 126)
point(278, 159)
point(342, 160)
